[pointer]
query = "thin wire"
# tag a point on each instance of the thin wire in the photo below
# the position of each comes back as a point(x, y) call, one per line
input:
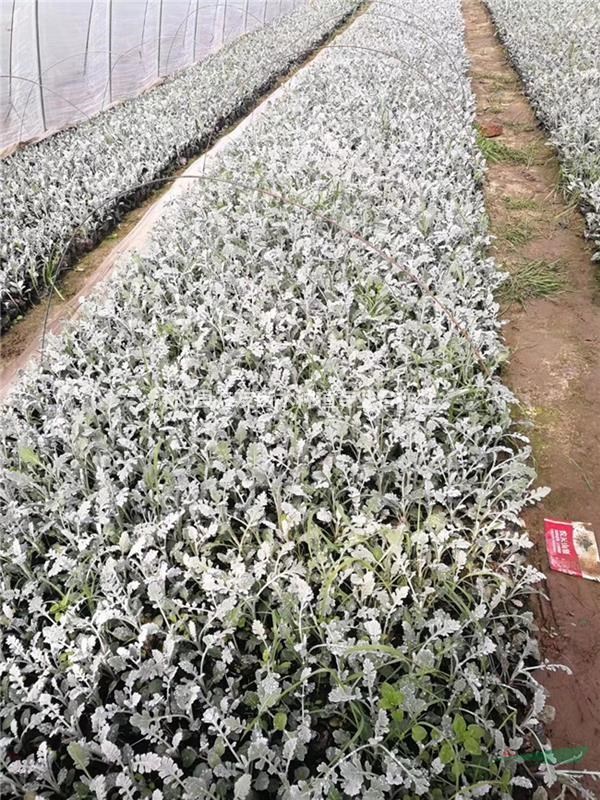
point(47, 89)
point(214, 5)
point(448, 101)
point(282, 199)
point(122, 55)
point(173, 38)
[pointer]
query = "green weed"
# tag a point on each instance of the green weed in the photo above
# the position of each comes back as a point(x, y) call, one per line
point(520, 203)
point(497, 152)
point(515, 234)
point(532, 279)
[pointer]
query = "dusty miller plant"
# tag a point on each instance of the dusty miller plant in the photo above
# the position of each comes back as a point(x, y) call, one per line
point(260, 531)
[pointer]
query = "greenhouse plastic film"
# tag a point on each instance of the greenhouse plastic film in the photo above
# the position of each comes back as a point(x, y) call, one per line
point(62, 61)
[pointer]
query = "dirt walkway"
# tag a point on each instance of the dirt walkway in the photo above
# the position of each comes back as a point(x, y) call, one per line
point(554, 366)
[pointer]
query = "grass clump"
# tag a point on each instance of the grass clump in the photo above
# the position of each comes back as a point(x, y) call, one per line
point(497, 152)
point(519, 203)
point(515, 233)
point(498, 80)
point(533, 279)
point(596, 291)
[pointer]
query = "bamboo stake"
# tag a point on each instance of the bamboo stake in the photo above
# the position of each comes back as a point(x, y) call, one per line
point(39, 63)
point(160, 21)
point(110, 87)
point(87, 37)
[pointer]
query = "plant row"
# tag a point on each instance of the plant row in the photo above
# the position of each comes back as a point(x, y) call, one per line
point(62, 195)
point(260, 532)
point(556, 48)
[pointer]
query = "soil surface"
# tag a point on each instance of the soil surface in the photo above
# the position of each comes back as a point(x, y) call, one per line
point(554, 370)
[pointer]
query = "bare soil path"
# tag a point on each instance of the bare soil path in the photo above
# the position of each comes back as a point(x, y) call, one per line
point(554, 368)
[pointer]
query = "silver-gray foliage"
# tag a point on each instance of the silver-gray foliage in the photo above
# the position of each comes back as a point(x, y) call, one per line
point(49, 189)
point(260, 532)
point(556, 48)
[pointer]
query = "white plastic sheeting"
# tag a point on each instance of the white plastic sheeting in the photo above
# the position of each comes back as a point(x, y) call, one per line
point(63, 60)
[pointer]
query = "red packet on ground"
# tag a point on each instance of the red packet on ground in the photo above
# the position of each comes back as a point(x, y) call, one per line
point(572, 549)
